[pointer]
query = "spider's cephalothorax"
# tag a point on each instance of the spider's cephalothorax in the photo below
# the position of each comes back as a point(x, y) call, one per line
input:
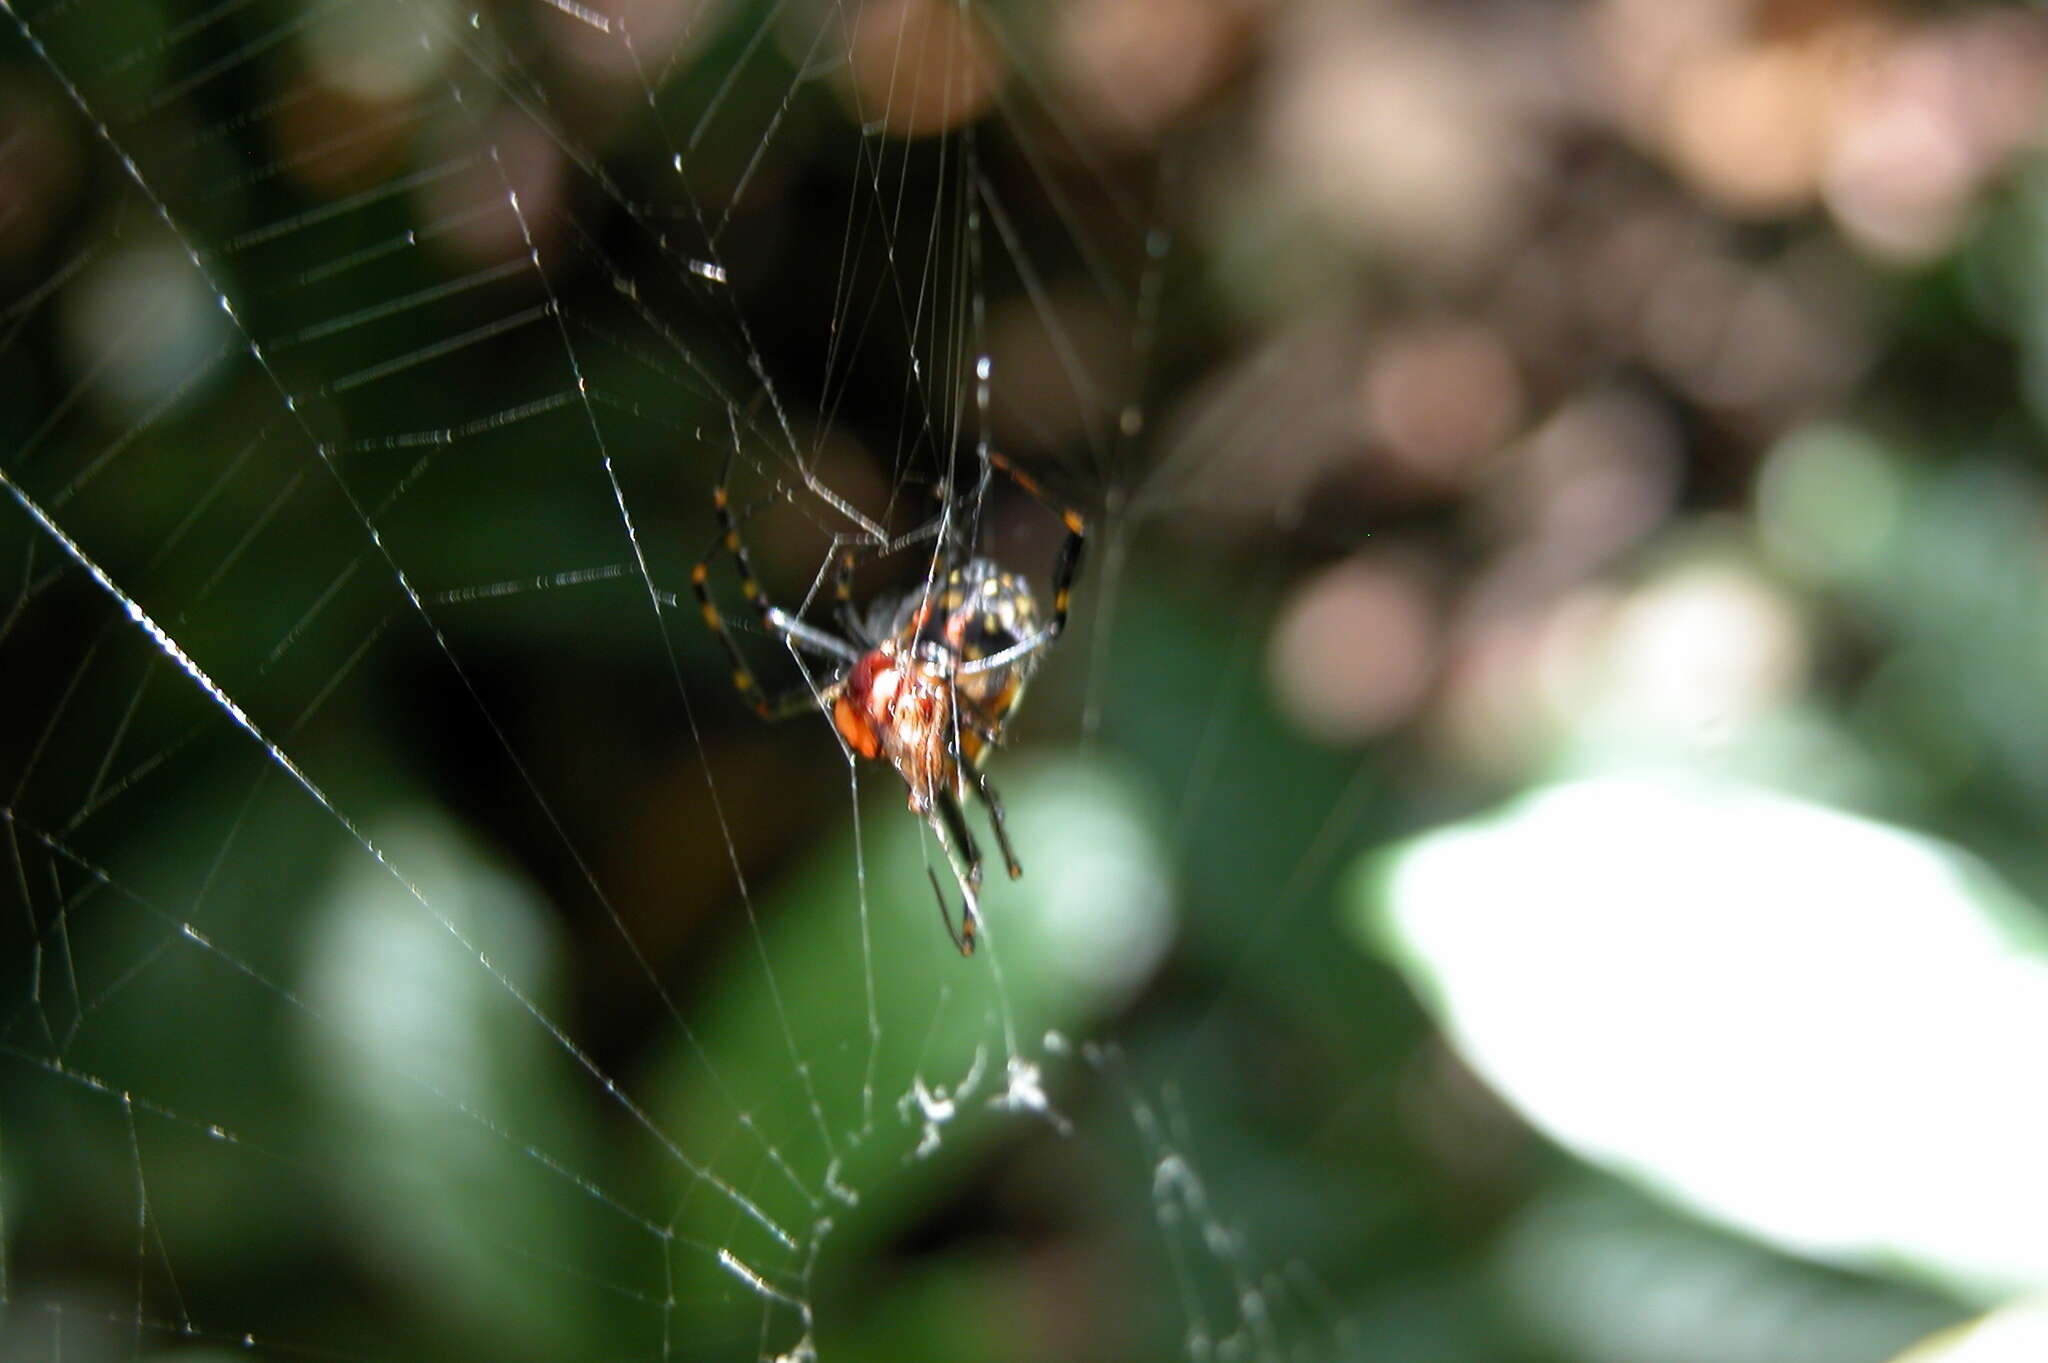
point(926, 681)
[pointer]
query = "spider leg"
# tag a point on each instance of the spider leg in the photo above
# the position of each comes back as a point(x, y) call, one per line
point(983, 729)
point(1065, 569)
point(775, 620)
point(987, 790)
point(963, 942)
point(800, 635)
point(842, 595)
point(954, 836)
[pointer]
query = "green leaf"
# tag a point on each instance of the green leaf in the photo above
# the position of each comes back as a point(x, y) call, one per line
point(450, 1114)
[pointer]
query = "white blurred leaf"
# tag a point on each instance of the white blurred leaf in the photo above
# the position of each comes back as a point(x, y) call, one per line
point(2017, 1334)
point(1817, 1028)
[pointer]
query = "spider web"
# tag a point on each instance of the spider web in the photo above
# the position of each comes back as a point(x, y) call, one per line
point(415, 949)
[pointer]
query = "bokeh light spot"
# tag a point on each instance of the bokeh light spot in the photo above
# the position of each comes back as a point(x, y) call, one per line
point(1828, 501)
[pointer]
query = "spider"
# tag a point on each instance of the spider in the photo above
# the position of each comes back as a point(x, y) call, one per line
point(925, 679)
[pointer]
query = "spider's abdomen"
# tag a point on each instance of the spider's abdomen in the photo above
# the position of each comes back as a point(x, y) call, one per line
point(982, 610)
